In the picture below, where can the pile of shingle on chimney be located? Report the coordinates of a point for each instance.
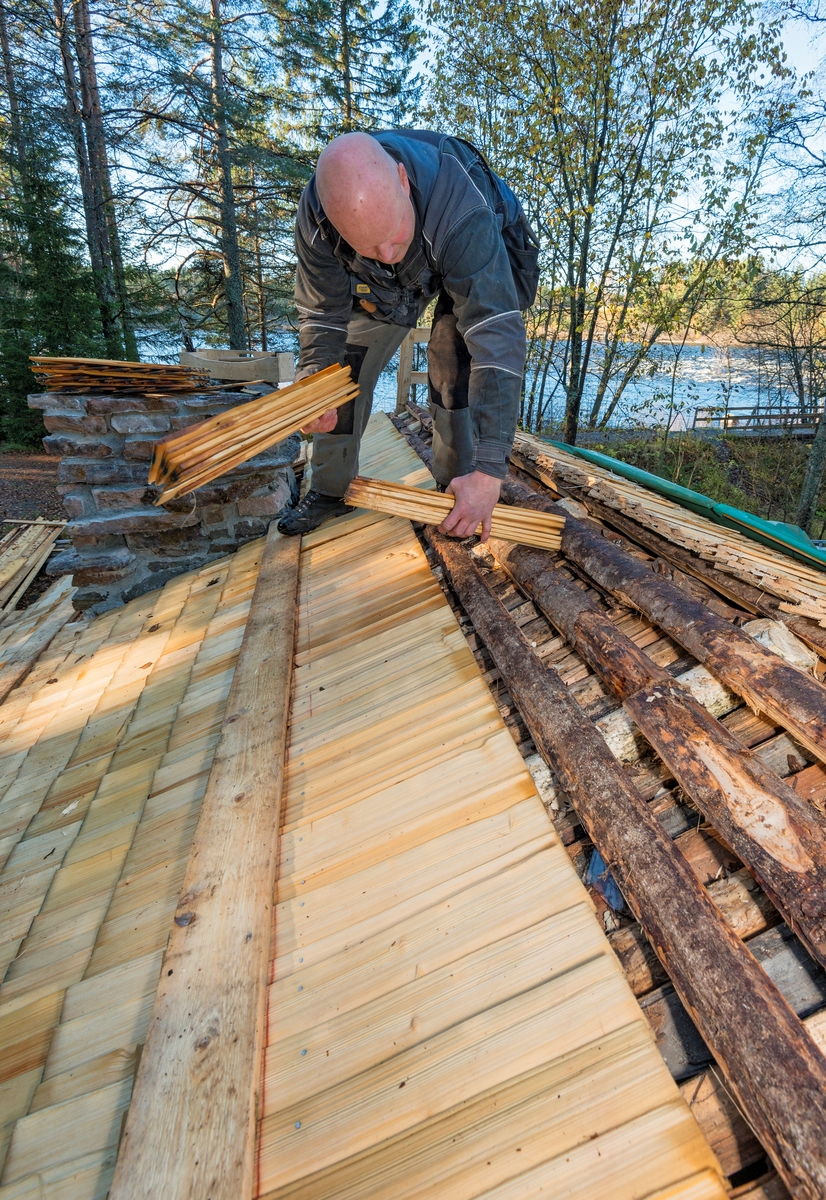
(122, 545)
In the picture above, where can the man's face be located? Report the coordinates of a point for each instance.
(391, 231)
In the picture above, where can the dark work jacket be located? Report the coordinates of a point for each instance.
(462, 209)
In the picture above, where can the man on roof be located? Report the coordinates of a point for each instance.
(388, 222)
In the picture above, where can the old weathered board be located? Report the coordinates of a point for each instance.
(191, 1126)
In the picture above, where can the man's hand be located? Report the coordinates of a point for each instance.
(475, 495)
(326, 423)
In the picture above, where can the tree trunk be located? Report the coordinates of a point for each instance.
(772, 1065)
(99, 166)
(230, 249)
(87, 133)
(770, 828)
(18, 139)
(127, 325)
(345, 65)
(573, 397)
(259, 270)
(813, 477)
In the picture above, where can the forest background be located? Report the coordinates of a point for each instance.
(670, 156)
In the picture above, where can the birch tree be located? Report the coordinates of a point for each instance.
(636, 133)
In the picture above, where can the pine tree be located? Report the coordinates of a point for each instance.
(212, 177)
(348, 64)
(47, 296)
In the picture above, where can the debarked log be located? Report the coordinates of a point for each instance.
(767, 683)
(772, 829)
(774, 1068)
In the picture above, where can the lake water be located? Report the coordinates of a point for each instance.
(706, 377)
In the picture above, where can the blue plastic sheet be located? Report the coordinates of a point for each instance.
(599, 876)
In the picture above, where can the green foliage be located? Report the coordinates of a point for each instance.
(761, 476)
(347, 64)
(47, 297)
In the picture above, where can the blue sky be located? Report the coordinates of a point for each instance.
(803, 45)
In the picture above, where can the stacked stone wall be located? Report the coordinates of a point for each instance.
(122, 545)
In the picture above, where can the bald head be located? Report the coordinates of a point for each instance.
(365, 195)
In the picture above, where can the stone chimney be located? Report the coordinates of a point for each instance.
(122, 545)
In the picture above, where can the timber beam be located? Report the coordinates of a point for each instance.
(772, 829)
(774, 1068)
(766, 682)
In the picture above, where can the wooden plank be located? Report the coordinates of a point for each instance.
(722, 1122)
(492, 1047)
(33, 567)
(775, 1069)
(191, 1125)
(403, 994)
(799, 980)
(392, 890)
(343, 1046)
(519, 896)
(543, 1112)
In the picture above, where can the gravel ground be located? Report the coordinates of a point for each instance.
(28, 485)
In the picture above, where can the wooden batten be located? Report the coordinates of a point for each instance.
(191, 1125)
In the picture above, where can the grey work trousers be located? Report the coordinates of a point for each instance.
(370, 346)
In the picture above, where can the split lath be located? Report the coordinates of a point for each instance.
(446, 1017)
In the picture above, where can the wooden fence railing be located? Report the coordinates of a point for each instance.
(751, 420)
(407, 377)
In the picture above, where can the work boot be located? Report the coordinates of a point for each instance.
(311, 512)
